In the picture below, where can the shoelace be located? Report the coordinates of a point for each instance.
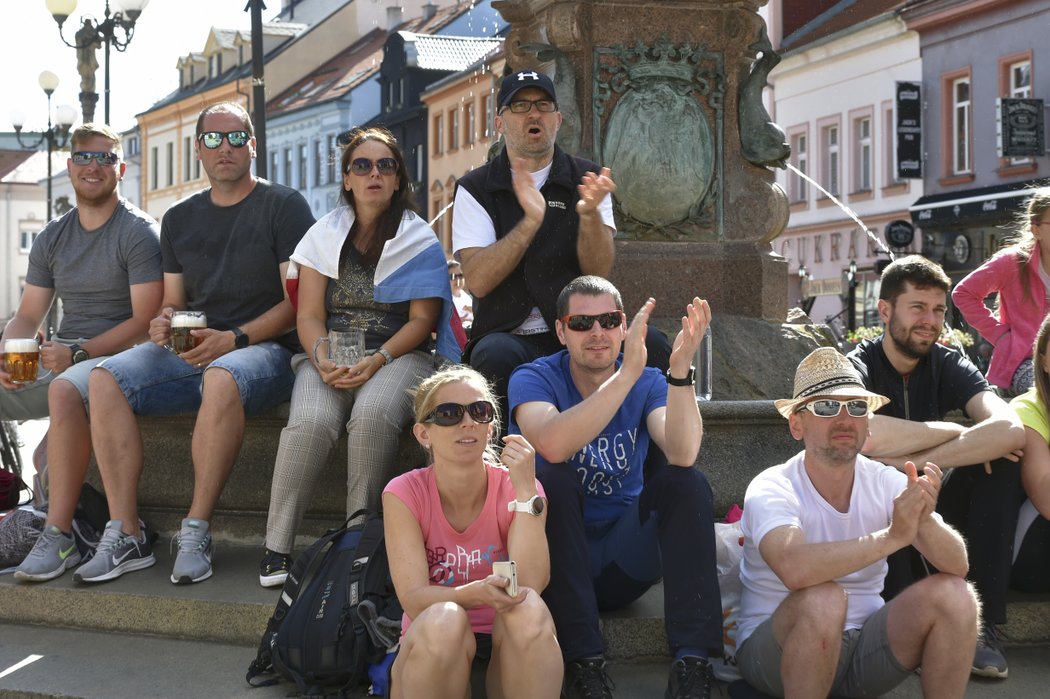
(48, 535)
(696, 677)
(592, 680)
(110, 540)
(189, 542)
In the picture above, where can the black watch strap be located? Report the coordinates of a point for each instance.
(79, 353)
(240, 339)
(687, 381)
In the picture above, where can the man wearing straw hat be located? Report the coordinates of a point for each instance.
(817, 530)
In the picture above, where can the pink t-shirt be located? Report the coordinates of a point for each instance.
(457, 558)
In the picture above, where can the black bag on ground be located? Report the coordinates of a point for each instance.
(337, 613)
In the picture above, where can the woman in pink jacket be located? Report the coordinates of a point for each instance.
(1019, 274)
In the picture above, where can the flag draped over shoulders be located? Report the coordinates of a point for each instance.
(411, 266)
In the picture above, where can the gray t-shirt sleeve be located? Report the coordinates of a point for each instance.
(140, 251)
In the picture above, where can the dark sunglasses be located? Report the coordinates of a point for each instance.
(213, 139)
(84, 157)
(450, 414)
(580, 323)
(826, 407)
(363, 166)
(525, 106)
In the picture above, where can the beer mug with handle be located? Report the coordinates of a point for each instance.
(345, 347)
(182, 322)
(22, 360)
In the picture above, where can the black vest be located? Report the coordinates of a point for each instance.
(550, 261)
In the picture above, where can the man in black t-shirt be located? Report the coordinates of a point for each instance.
(924, 381)
(225, 252)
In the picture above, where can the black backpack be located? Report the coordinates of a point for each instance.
(337, 613)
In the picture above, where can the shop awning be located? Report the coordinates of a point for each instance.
(970, 204)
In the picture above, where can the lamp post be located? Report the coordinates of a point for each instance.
(56, 135)
(90, 36)
(851, 298)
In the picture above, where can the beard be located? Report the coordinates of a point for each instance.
(902, 340)
(839, 453)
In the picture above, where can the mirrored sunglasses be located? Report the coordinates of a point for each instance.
(826, 407)
(525, 106)
(363, 166)
(581, 323)
(84, 157)
(450, 414)
(213, 139)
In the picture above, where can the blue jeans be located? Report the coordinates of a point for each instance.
(157, 382)
(668, 531)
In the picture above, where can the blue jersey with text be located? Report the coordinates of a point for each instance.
(610, 466)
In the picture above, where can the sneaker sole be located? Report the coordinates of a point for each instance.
(70, 562)
(993, 672)
(274, 580)
(126, 567)
(187, 580)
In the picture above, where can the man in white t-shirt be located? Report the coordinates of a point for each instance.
(817, 530)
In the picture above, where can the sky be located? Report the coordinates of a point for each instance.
(166, 30)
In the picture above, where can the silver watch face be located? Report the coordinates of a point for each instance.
(537, 506)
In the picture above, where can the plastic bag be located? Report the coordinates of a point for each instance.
(729, 550)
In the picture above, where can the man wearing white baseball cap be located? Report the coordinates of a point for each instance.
(817, 530)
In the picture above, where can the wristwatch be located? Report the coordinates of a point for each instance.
(79, 353)
(385, 354)
(533, 506)
(240, 340)
(687, 381)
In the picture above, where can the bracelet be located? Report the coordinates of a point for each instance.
(387, 357)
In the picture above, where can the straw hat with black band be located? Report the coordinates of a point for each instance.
(826, 373)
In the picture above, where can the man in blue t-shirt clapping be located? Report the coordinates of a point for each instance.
(614, 530)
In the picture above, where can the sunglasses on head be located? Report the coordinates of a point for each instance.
(826, 407)
(213, 139)
(450, 414)
(363, 166)
(581, 323)
(84, 157)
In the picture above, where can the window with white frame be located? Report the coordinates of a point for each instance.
(831, 159)
(286, 173)
(170, 152)
(154, 168)
(453, 129)
(301, 183)
(799, 149)
(862, 154)
(318, 162)
(889, 147)
(961, 126)
(1020, 88)
(488, 105)
(468, 126)
(439, 134)
(27, 238)
(330, 158)
(187, 158)
(275, 161)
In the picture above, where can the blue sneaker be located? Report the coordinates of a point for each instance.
(53, 554)
(193, 562)
(117, 553)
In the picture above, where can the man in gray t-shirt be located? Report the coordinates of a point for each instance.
(102, 259)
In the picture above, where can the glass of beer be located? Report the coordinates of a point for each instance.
(22, 360)
(182, 322)
(345, 347)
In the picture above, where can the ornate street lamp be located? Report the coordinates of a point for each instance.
(56, 135)
(116, 30)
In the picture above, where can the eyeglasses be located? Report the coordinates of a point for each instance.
(525, 106)
(826, 407)
(450, 414)
(213, 139)
(581, 323)
(456, 275)
(363, 166)
(84, 157)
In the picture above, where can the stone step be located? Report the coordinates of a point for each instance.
(741, 438)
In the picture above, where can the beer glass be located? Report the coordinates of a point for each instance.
(345, 347)
(22, 360)
(182, 322)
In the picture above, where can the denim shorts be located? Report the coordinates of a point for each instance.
(157, 382)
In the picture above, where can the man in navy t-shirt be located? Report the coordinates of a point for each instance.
(613, 530)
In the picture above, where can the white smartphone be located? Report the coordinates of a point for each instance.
(508, 570)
